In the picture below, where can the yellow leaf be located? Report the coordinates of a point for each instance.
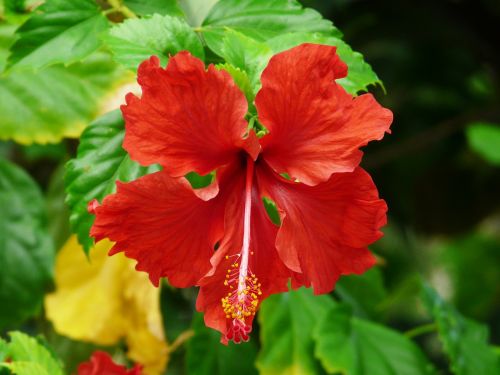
(106, 300)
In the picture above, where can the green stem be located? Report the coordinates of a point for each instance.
(420, 330)
(117, 6)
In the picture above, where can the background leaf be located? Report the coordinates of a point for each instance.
(56, 102)
(135, 40)
(287, 322)
(206, 355)
(261, 20)
(26, 249)
(100, 162)
(465, 341)
(484, 138)
(60, 31)
(29, 357)
(163, 7)
(353, 346)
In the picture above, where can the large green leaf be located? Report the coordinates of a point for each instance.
(352, 346)
(6, 39)
(464, 340)
(26, 249)
(196, 10)
(360, 74)
(60, 31)
(484, 138)
(364, 293)
(261, 20)
(56, 102)
(29, 357)
(135, 40)
(207, 356)
(100, 162)
(150, 7)
(287, 322)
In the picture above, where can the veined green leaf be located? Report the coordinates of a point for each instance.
(100, 162)
(26, 249)
(287, 322)
(484, 138)
(135, 40)
(206, 355)
(241, 79)
(29, 357)
(261, 20)
(195, 10)
(246, 54)
(352, 346)
(360, 74)
(150, 7)
(465, 341)
(56, 102)
(60, 31)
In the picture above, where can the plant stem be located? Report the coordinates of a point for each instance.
(420, 330)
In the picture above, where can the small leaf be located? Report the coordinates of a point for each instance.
(353, 346)
(464, 340)
(261, 20)
(150, 7)
(241, 79)
(135, 40)
(287, 322)
(26, 249)
(360, 74)
(206, 355)
(484, 138)
(100, 162)
(54, 103)
(29, 357)
(246, 54)
(60, 31)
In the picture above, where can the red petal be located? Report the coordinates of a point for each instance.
(315, 127)
(160, 222)
(326, 228)
(264, 263)
(101, 363)
(188, 118)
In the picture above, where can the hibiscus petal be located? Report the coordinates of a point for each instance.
(264, 262)
(315, 127)
(188, 118)
(102, 363)
(161, 222)
(326, 228)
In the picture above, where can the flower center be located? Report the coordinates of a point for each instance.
(241, 301)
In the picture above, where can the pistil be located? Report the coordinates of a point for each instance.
(242, 299)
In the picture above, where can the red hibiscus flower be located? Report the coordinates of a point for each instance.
(101, 363)
(192, 119)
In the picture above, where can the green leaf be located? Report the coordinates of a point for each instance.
(464, 341)
(60, 31)
(363, 293)
(360, 74)
(135, 40)
(30, 357)
(6, 39)
(241, 79)
(287, 321)
(57, 209)
(261, 20)
(195, 10)
(149, 7)
(353, 346)
(56, 102)
(100, 162)
(484, 138)
(26, 249)
(206, 355)
(246, 54)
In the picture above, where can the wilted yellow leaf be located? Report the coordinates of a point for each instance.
(105, 301)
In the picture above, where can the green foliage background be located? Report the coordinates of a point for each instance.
(432, 306)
